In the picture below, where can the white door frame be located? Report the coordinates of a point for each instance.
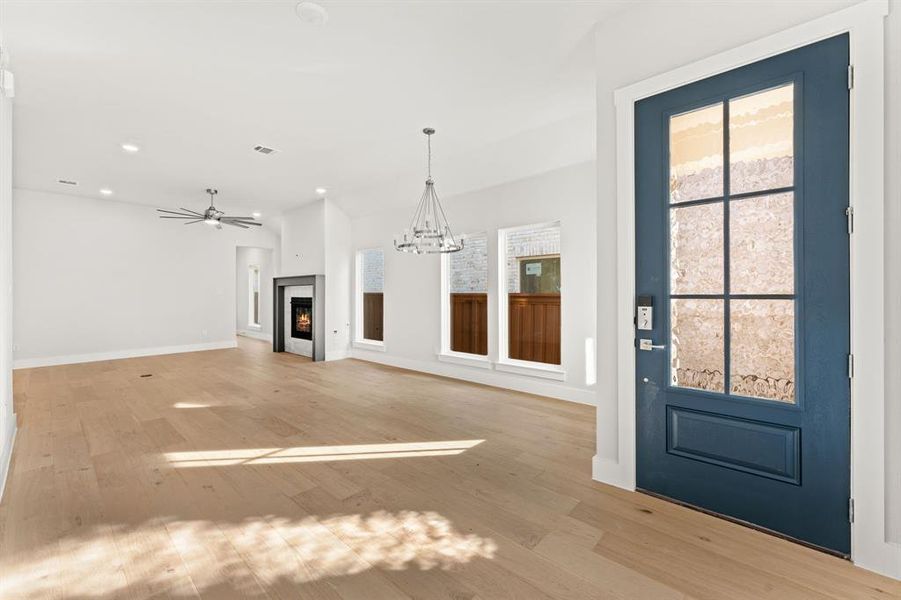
(864, 24)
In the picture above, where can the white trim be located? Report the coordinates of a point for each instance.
(372, 345)
(461, 358)
(257, 335)
(503, 301)
(517, 383)
(444, 287)
(864, 23)
(6, 454)
(531, 369)
(358, 302)
(49, 361)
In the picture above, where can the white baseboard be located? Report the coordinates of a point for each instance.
(257, 335)
(612, 473)
(884, 558)
(49, 361)
(6, 454)
(337, 354)
(507, 381)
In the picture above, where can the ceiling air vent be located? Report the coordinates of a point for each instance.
(264, 149)
(67, 182)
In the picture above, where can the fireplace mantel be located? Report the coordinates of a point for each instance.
(278, 305)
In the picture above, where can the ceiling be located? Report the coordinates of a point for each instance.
(508, 85)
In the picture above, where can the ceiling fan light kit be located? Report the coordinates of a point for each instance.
(429, 231)
(211, 216)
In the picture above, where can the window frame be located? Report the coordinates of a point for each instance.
(254, 275)
(358, 340)
(504, 362)
(445, 353)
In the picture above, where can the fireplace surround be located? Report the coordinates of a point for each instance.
(316, 313)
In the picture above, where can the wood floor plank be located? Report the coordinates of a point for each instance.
(242, 473)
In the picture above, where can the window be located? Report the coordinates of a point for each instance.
(253, 313)
(530, 298)
(370, 295)
(466, 297)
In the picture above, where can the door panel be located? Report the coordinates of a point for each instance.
(741, 190)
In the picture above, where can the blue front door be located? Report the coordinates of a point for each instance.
(743, 395)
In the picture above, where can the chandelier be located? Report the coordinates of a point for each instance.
(429, 232)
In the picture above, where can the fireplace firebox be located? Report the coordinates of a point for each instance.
(302, 318)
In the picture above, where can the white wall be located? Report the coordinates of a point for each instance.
(303, 240)
(683, 30)
(262, 258)
(338, 276)
(7, 418)
(412, 301)
(98, 279)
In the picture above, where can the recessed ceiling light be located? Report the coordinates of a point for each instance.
(256, 214)
(106, 191)
(311, 13)
(132, 148)
(321, 190)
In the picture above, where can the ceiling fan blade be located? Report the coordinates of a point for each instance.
(234, 224)
(194, 221)
(191, 211)
(172, 212)
(227, 220)
(185, 217)
(238, 218)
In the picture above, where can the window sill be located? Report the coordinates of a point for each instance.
(532, 369)
(254, 327)
(369, 345)
(461, 358)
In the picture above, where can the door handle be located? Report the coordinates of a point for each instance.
(646, 344)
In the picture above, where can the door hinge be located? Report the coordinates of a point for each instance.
(849, 213)
(850, 510)
(850, 77)
(850, 366)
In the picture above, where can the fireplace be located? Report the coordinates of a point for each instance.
(302, 318)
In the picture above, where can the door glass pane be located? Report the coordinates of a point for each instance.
(761, 245)
(696, 249)
(761, 140)
(763, 349)
(696, 154)
(697, 344)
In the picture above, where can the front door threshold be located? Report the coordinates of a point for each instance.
(745, 524)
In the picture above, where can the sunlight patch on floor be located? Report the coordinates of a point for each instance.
(302, 454)
(110, 560)
(190, 405)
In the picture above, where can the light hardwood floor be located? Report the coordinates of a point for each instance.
(242, 473)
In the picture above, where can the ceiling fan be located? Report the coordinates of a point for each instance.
(211, 216)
